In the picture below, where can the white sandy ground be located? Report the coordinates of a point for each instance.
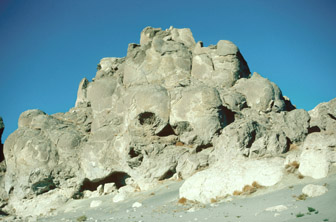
(161, 204)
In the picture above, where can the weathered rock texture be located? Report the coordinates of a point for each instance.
(171, 107)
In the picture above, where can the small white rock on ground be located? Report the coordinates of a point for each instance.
(277, 208)
(312, 190)
(137, 205)
(95, 203)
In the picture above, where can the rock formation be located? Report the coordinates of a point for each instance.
(169, 109)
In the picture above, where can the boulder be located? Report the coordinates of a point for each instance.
(261, 94)
(164, 57)
(294, 124)
(197, 114)
(227, 178)
(41, 155)
(250, 137)
(323, 117)
(318, 154)
(312, 190)
(219, 66)
(109, 67)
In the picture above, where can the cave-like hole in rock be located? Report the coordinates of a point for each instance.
(133, 152)
(203, 147)
(288, 143)
(314, 129)
(147, 118)
(119, 178)
(168, 174)
(166, 131)
(226, 116)
(252, 139)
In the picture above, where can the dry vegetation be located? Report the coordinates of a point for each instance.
(292, 167)
(301, 197)
(179, 143)
(248, 189)
(182, 200)
(213, 200)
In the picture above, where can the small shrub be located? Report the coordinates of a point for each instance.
(300, 176)
(213, 200)
(81, 218)
(326, 220)
(249, 189)
(292, 167)
(237, 193)
(182, 200)
(300, 215)
(302, 197)
(255, 184)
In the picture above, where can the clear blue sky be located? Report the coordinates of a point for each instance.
(48, 46)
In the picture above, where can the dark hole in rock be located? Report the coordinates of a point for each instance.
(136, 157)
(226, 116)
(43, 186)
(166, 131)
(289, 106)
(119, 178)
(3, 213)
(202, 147)
(2, 156)
(331, 116)
(288, 143)
(314, 129)
(168, 174)
(252, 139)
(147, 118)
(133, 153)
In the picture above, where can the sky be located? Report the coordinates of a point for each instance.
(48, 46)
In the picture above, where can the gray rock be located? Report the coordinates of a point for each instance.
(221, 66)
(231, 177)
(318, 154)
(200, 108)
(41, 155)
(261, 94)
(295, 124)
(82, 99)
(225, 47)
(312, 190)
(323, 117)
(109, 67)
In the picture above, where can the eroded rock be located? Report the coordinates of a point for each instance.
(169, 109)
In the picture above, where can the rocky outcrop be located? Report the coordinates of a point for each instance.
(169, 109)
